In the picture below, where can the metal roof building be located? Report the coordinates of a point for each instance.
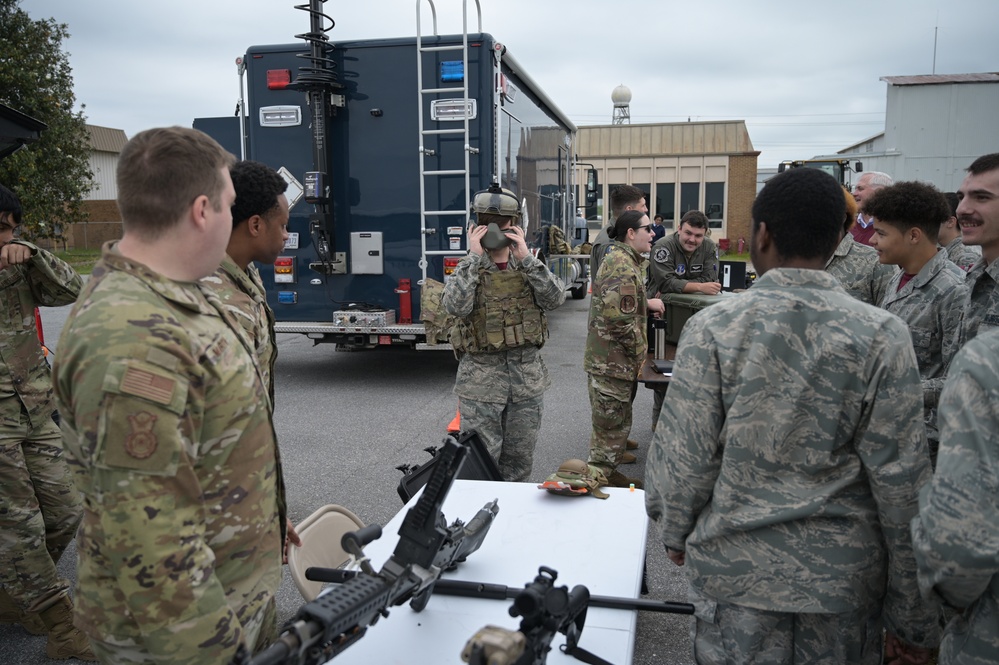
(935, 126)
(105, 146)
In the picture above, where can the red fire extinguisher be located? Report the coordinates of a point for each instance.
(405, 302)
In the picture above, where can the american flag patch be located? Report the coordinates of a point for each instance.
(153, 387)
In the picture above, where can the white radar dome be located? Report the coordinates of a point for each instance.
(621, 95)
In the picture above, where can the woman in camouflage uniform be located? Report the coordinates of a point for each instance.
(616, 342)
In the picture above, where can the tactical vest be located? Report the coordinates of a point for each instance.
(436, 321)
(557, 243)
(505, 315)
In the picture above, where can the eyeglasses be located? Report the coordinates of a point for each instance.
(645, 227)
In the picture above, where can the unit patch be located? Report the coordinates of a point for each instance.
(629, 305)
(141, 442)
(661, 255)
(681, 269)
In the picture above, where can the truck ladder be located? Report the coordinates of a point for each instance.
(423, 93)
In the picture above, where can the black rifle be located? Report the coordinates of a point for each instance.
(546, 609)
(334, 621)
(487, 591)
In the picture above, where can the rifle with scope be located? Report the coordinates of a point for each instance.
(337, 619)
(546, 610)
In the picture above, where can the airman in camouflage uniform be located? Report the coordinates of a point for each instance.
(39, 506)
(857, 268)
(617, 343)
(932, 305)
(259, 232)
(785, 469)
(260, 229)
(167, 425)
(500, 294)
(957, 530)
(928, 291)
(676, 268)
(978, 214)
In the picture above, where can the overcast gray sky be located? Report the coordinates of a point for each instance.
(804, 75)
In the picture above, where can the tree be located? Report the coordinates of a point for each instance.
(52, 175)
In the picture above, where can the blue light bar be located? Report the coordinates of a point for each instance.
(287, 297)
(452, 71)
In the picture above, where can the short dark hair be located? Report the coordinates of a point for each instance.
(695, 218)
(804, 211)
(257, 186)
(10, 204)
(952, 201)
(622, 196)
(910, 204)
(629, 219)
(984, 163)
(659, 217)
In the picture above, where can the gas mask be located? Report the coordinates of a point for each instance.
(494, 238)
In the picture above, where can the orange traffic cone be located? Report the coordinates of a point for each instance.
(454, 427)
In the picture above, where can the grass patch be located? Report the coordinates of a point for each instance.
(732, 256)
(82, 260)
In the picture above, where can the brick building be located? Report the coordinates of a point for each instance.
(708, 166)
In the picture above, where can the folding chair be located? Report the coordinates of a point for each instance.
(320, 533)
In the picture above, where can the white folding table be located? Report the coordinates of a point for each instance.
(597, 543)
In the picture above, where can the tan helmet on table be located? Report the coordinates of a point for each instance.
(576, 478)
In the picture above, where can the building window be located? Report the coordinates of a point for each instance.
(714, 203)
(690, 194)
(666, 203)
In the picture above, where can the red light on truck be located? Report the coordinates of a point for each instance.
(450, 264)
(278, 79)
(284, 269)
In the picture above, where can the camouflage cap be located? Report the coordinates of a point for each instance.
(575, 478)
(496, 201)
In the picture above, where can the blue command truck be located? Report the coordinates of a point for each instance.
(382, 143)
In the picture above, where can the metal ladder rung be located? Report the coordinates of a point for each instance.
(431, 49)
(427, 132)
(445, 212)
(454, 172)
(435, 91)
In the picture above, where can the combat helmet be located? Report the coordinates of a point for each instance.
(496, 201)
(576, 478)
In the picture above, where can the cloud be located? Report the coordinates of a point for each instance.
(804, 76)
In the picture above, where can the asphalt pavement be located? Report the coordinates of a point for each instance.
(346, 420)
